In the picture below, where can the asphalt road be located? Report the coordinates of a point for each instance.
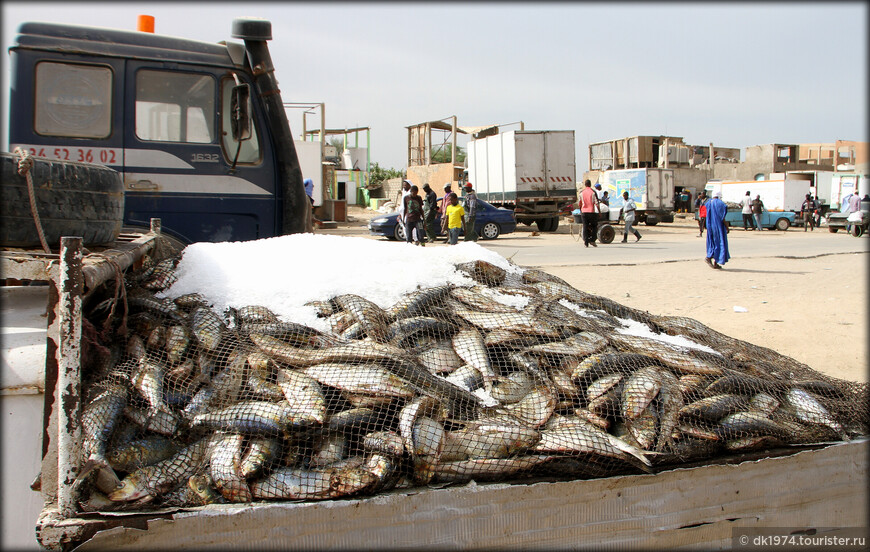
(667, 242)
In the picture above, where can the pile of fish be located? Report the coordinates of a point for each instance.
(518, 375)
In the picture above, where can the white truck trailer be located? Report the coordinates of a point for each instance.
(777, 195)
(651, 189)
(532, 172)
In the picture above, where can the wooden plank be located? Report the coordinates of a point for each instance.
(681, 508)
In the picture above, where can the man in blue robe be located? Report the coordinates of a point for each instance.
(717, 234)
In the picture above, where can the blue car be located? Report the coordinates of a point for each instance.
(772, 220)
(490, 223)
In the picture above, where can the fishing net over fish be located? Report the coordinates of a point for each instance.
(497, 374)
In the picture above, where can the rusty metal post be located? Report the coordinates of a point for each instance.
(69, 313)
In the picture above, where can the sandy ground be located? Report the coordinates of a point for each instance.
(812, 309)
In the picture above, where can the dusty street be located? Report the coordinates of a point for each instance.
(803, 294)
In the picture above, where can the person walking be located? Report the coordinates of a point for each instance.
(406, 189)
(818, 211)
(589, 214)
(453, 215)
(628, 210)
(757, 209)
(807, 208)
(414, 217)
(470, 212)
(717, 233)
(747, 213)
(430, 210)
(701, 213)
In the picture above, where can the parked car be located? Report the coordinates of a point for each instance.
(490, 223)
(772, 220)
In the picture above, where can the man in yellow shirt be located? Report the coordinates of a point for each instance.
(454, 214)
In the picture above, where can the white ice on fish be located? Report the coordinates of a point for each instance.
(488, 400)
(518, 302)
(285, 272)
(633, 327)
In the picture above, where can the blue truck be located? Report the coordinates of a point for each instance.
(196, 130)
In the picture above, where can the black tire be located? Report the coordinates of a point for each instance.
(651, 222)
(782, 224)
(555, 224)
(543, 224)
(833, 229)
(399, 232)
(490, 231)
(857, 230)
(73, 200)
(606, 234)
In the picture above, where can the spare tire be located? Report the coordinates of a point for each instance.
(72, 199)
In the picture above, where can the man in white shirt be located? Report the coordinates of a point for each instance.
(748, 224)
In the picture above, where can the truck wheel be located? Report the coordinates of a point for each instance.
(832, 229)
(554, 224)
(782, 224)
(857, 230)
(490, 231)
(606, 234)
(72, 199)
(543, 224)
(651, 221)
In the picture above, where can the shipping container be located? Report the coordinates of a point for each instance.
(532, 172)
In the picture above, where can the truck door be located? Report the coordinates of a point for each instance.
(179, 156)
(64, 107)
(531, 165)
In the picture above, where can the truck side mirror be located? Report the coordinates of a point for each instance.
(240, 118)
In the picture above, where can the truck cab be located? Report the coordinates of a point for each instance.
(200, 139)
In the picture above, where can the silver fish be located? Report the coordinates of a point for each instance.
(177, 340)
(148, 381)
(716, 407)
(665, 354)
(303, 394)
(207, 327)
(417, 303)
(762, 402)
(254, 418)
(404, 329)
(513, 387)
(602, 385)
(498, 440)
(535, 408)
(384, 442)
(639, 391)
(470, 347)
(261, 452)
(417, 408)
(808, 409)
(671, 401)
(440, 358)
(742, 424)
(163, 422)
(156, 479)
(482, 468)
(466, 377)
(99, 419)
(370, 379)
(144, 451)
(225, 458)
(478, 301)
(372, 317)
(329, 447)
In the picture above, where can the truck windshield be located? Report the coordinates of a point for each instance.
(175, 107)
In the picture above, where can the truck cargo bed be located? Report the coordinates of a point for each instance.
(696, 507)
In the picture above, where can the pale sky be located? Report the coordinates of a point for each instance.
(736, 75)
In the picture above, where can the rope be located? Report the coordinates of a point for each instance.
(25, 164)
